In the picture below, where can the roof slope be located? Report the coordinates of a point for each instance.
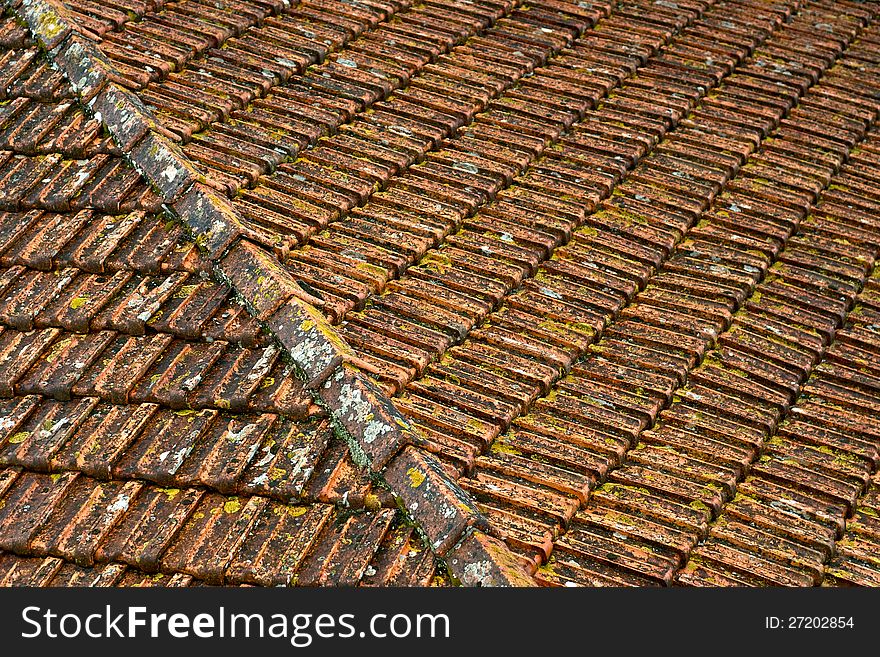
(597, 279)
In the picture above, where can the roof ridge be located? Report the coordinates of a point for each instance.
(378, 435)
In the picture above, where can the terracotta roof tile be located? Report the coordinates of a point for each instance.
(212, 534)
(135, 578)
(104, 436)
(282, 536)
(79, 522)
(88, 294)
(286, 460)
(62, 366)
(810, 366)
(219, 458)
(28, 571)
(344, 549)
(402, 560)
(72, 575)
(155, 517)
(29, 502)
(163, 446)
(337, 479)
(618, 279)
(44, 432)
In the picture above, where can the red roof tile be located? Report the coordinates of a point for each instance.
(594, 280)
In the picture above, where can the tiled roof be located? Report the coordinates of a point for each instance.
(389, 293)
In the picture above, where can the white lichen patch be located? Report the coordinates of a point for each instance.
(170, 173)
(120, 504)
(191, 383)
(50, 429)
(466, 167)
(178, 457)
(262, 366)
(355, 408)
(218, 227)
(300, 462)
(82, 176)
(312, 354)
(252, 452)
(235, 437)
(375, 430)
(479, 572)
(266, 458)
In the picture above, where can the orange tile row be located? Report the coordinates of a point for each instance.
(114, 526)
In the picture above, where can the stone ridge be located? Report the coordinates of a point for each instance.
(378, 435)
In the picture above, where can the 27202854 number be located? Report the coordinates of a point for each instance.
(819, 622)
